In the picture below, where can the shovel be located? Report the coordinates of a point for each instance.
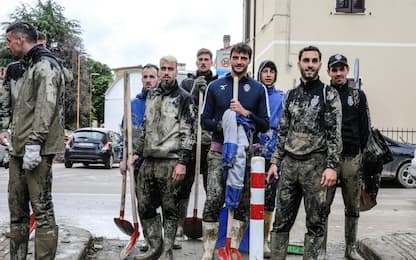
(228, 252)
(130, 169)
(192, 227)
(125, 226)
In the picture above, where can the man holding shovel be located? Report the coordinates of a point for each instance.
(251, 107)
(198, 83)
(165, 146)
(150, 79)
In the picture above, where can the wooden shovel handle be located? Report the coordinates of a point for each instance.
(235, 88)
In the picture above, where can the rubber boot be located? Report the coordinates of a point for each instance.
(312, 247)
(144, 245)
(179, 238)
(279, 243)
(19, 239)
(168, 239)
(152, 230)
(46, 243)
(238, 230)
(351, 252)
(268, 218)
(209, 239)
(322, 253)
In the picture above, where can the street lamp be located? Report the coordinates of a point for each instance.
(91, 74)
(78, 85)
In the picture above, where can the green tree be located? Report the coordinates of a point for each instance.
(64, 40)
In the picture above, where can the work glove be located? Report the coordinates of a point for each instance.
(32, 158)
(200, 83)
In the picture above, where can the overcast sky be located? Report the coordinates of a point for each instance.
(136, 32)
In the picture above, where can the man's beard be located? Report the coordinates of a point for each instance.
(309, 78)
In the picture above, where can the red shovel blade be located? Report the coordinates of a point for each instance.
(32, 223)
(227, 252)
(130, 246)
(125, 226)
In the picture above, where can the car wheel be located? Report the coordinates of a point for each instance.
(404, 178)
(68, 164)
(109, 163)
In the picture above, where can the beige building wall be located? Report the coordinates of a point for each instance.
(382, 38)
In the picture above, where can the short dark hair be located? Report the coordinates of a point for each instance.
(310, 48)
(151, 66)
(241, 47)
(26, 30)
(204, 51)
(41, 36)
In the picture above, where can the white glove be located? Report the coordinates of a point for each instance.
(32, 158)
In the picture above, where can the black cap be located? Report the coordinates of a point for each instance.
(337, 58)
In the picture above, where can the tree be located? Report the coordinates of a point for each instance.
(64, 40)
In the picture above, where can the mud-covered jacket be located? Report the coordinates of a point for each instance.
(310, 123)
(355, 119)
(34, 112)
(251, 94)
(168, 124)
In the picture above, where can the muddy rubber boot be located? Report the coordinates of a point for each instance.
(351, 250)
(19, 239)
(209, 239)
(152, 230)
(238, 230)
(312, 247)
(46, 243)
(179, 238)
(268, 218)
(168, 239)
(322, 253)
(144, 245)
(278, 245)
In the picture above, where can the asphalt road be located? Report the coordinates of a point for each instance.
(89, 198)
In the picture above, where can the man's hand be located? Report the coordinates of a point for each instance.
(3, 138)
(122, 167)
(32, 158)
(329, 177)
(238, 108)
(200, 83)
(272, 173)
(179, 172)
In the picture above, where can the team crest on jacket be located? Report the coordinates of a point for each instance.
(246, 87)
(350, 101)
(315, 101)
(222, 87)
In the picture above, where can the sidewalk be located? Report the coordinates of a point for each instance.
(76, 243)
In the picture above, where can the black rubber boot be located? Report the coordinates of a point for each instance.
(46, 243)
(278, 245)
(152, 229)
(351, 251)
(312, 247)
(168, 239)
(19, 238)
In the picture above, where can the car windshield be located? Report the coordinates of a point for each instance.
(88, 135)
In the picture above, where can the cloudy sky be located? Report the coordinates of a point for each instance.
(135, 32)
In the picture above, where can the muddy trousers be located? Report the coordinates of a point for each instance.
(32, 187)
(301, 178)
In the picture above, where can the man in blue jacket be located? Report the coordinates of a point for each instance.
(251, 107)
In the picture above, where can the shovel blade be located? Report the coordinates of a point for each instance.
(192, 227)
(32, 222)
(125, 226)
(131, 244)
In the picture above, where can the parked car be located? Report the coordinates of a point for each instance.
(92, 146)
(399, 168)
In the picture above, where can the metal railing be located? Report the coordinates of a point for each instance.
(403, 135)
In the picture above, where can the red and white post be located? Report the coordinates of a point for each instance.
(256, 207)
